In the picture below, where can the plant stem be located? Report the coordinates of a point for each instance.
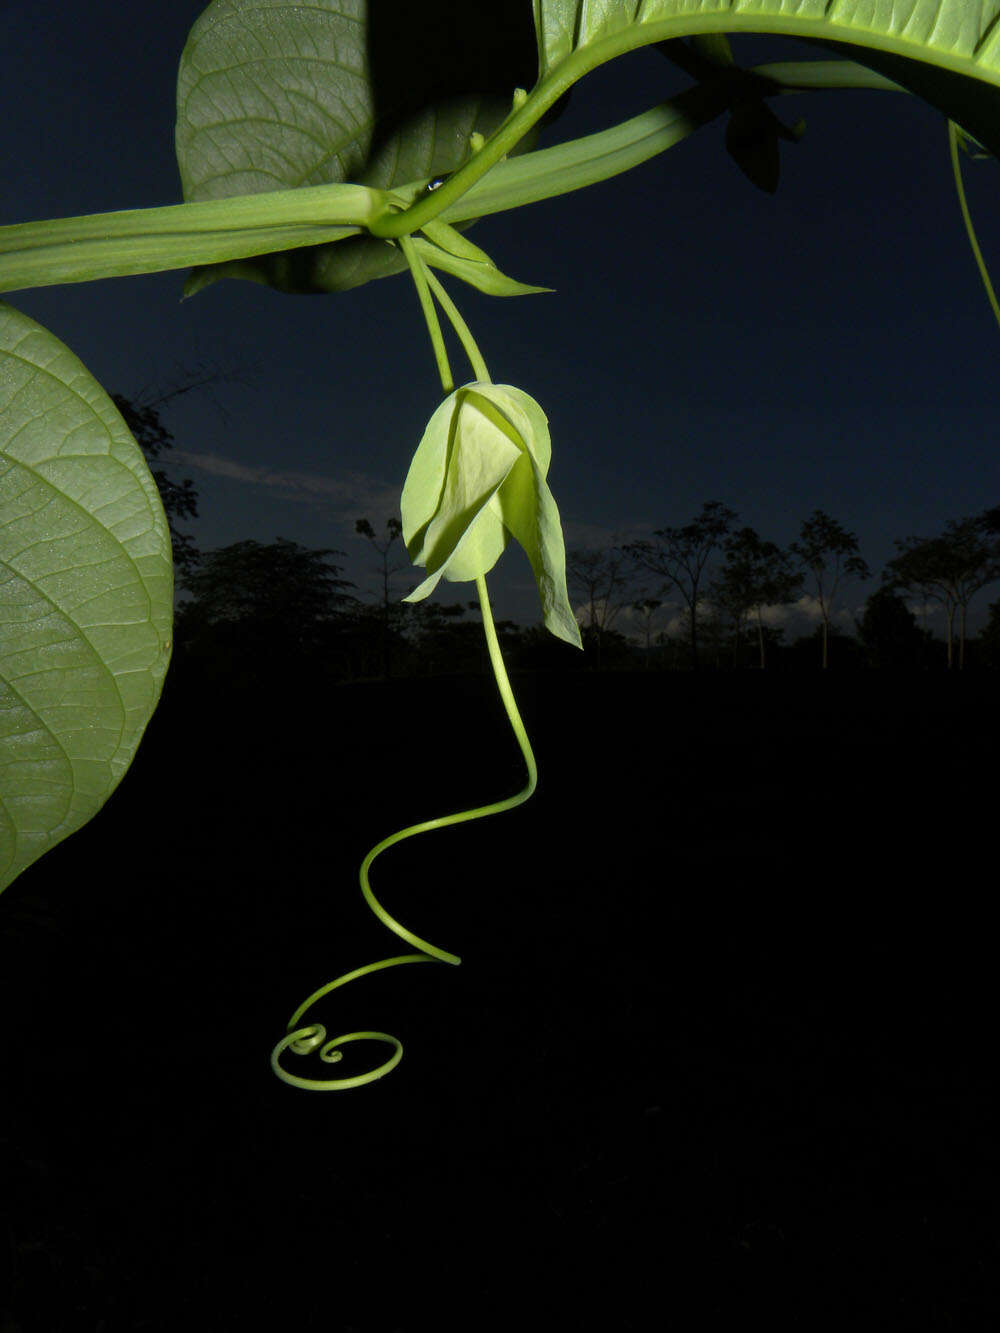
(461, 328)
(565, 71)
(507, 695)
(302, 1040)
(178, 236)
(420, 277)
(977, 253)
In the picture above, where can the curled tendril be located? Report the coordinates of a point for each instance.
(305, 1039)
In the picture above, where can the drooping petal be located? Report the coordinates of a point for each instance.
(449, 524)
(531, 515)
(424, 589)
(478, 478)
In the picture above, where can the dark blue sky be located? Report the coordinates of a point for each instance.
(826, 347)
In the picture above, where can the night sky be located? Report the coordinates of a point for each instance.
(826, 347)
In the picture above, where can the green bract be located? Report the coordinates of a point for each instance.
(478, 479)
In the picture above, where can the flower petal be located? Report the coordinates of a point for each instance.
(529, 510)
(477, 479)
(449, 524)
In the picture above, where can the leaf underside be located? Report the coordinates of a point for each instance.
(945, 51)
(87, 587)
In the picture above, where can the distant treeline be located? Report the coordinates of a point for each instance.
(257, 612)
(252, 609)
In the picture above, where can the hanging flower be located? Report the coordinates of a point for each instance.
(478, 479)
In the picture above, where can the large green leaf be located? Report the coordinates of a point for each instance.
(272, 95)
(86, 586)
(946, 51)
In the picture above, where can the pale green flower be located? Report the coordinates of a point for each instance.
(478, 479)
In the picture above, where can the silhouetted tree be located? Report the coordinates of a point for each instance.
(390, 607)
(600, 578)
(889, 632)
(180, 499)
(822, 539)
(988, 639)
(264, 607)
(801, 654)
(442, 641)
(142, 416)
(538, 649)
(680, 555)
(646, 606)
(282, 582)
(949, 569)
(755, 574)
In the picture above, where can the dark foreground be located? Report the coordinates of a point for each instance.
(723, 1038)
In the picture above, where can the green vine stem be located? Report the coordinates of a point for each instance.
(977, 253)
(419, 271)
(153, 240)
(461, 328)
(556, 81)
(302, 1040)
(177, 236)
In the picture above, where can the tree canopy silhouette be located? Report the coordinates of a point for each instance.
(755, 574)
(270, 604)
(180, 499)
(680, 554)
(950, 568)
(828, 551)
(601, 579)
(889, 633)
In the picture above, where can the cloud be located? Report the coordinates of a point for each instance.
(925, 610)
(351, 495)
(595, 537)
(806, 608)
